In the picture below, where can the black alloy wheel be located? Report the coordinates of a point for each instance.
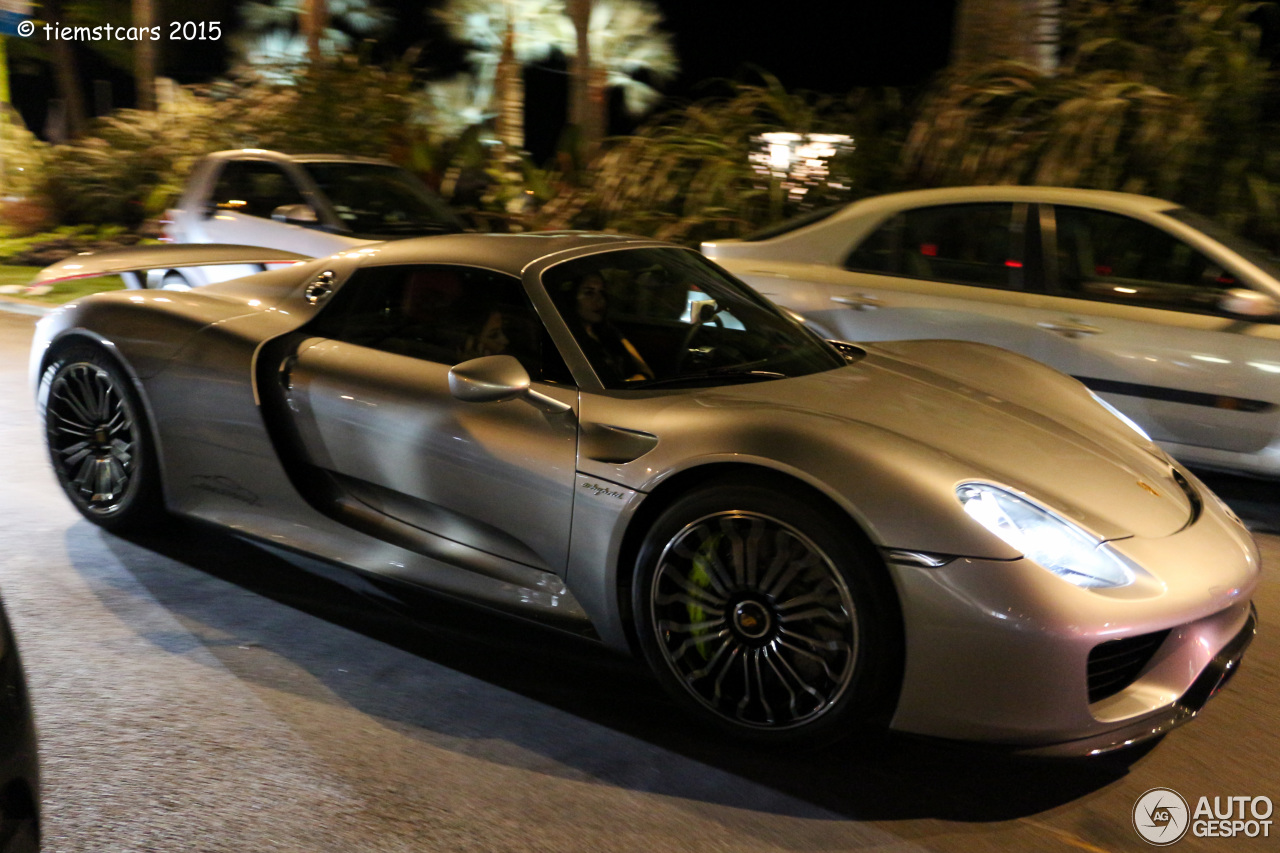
(761, 614)
(98, 443)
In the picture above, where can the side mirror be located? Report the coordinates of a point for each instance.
(1247, 303)
(494, 378)
(295, 214)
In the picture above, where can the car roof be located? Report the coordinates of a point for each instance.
(282, 157)
(827, 239)
(509, 253)
(1104, 199)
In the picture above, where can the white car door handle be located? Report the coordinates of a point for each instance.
(861, 302)
(1070, 328)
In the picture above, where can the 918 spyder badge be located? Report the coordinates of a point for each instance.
(603, 491)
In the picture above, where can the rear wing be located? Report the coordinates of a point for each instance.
(173, 256)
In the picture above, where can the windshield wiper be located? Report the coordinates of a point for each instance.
(726, 374)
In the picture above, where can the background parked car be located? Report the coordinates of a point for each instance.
(312, 204)
(1162, 312)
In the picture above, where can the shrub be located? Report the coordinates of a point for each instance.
(131, 164)
(687, 175)
(20, 156)
(22, 217)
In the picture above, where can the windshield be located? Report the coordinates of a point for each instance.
(375, 200)
(669, 317)
(1251, 252)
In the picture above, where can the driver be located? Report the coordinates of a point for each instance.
(614, 357)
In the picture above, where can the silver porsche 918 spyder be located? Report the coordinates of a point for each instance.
(615, 437)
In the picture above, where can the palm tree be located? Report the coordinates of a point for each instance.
(625, 48)
(579, 12)
(66, 73)
(504, 36)
(144, 56)
(1166, 97)
(287, 32)
(315, 22)
(1002, 30)
(610, 43)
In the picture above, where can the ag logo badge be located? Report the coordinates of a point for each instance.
(1161, 816)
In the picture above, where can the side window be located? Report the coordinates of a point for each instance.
(1114, 258)
(254, 188)
(964, 243)
(880, 251)
(441, 313)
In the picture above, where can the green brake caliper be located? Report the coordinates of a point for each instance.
(700, 577)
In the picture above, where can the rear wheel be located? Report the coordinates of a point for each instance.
(98, 442)
(763, 614)
(174, 280)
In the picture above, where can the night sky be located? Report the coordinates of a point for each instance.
(818, 45)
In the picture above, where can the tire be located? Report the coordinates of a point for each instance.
(98, 441)
(173, 280)
(764, 615)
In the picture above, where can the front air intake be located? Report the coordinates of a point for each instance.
(1114, 665)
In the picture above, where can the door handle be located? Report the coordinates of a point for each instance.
(861, 302)
(1070, 328)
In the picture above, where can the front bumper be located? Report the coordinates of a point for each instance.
(999, 651)
(1214, 677)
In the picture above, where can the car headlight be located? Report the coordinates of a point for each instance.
(1044, 538)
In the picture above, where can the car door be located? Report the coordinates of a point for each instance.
(1142, 306)
(369, 398)
(959, 271)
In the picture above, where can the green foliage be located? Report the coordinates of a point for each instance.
(1012, 124)
(21, 155)
(131, 164)
(342, 105)
(272, 38)
(109, 176)
(687, 174)
(64, 291)
(1164, 97)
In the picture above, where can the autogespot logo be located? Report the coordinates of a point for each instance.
(1160, 816)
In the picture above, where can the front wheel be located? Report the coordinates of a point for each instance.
(98, 441)
(762, 613)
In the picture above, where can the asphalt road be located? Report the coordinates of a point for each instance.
(197, 694)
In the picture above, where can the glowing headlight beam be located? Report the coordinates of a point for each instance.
(1046, 539)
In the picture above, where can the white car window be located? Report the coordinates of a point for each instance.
(964, 243)
(254, 188)
(1113, 258)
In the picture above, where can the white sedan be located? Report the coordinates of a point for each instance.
(1161, 312)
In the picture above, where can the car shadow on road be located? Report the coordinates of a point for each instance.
(880, 777)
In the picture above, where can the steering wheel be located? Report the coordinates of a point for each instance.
(705, 313)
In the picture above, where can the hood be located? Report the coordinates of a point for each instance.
(1009, 421)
